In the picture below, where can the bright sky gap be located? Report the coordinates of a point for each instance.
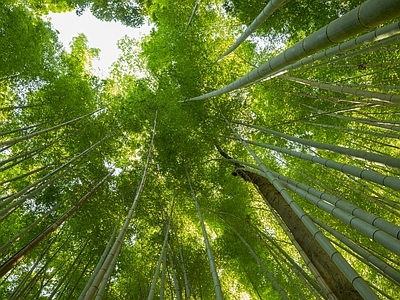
(100, 34)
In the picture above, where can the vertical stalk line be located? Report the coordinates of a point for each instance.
(20, 287)
(323, 289)
(114, 252)
(163, 274)
(74, 288)
(185, 277)
(68, 271)
(99, 264)
(107, 276)
(41, 272)
(160, 260)
(217, 285)
(261, 264)
(174, 277)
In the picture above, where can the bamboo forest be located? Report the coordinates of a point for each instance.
(242, 149)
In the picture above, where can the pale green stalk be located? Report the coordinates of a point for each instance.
(107, 276)
(383, 159)
(372, 260)
(368, 230)
(368, 15)
(28, 136)
(118, 242)
(372, 48)
(175, 279)
(356, 280)
(373, 36)
(389, 228)
(373, 176)
(217, 285)
(160, 260)
(185, 278)
(99, 264)
(260, 263)
(321, 289)
(67, 273)
(163, 273)
(192, 15)
(382, 98)
(265, 13)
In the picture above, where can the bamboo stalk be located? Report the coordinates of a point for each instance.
(368, 15)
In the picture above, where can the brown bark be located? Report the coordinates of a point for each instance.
(334, 278)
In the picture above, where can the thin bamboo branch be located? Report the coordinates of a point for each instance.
(383, 98)
(160, 259)
(9, 199)
(358, 282)
(192, 15)
(17, 257)
(265, 13)
(174, 277)
(114, 252)
(28, 136)
(260, 263)
(217, 285)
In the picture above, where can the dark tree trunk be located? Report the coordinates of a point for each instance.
(331, 274)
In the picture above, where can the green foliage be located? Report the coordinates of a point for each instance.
(28, 45)
(128, 13)
(42, 86)
(289, 21)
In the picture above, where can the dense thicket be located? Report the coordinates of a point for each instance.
(74, 149)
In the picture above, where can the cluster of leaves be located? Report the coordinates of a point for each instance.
(42, 86)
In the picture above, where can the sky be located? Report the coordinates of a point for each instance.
(102, 35)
